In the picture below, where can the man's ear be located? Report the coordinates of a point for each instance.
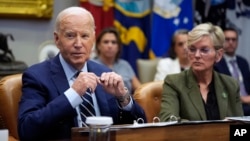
(56, 39)
(219, 55)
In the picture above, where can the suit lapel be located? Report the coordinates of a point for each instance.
(221, 95)
(102, 100)
(58, 75)
(194, 96)
(241, 66)
(222, 67)
(101, 96)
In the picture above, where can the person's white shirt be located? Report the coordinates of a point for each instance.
(165, 67)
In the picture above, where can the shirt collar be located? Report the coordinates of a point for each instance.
(229, 58)
(69, 70)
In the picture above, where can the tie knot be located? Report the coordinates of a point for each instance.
(77, 73)
(233, 61)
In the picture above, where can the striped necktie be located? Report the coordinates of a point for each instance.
(87, 106)
(236, 75)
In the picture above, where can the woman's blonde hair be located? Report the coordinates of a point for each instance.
(207, 29)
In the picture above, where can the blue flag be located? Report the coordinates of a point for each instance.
(132, 19)
(168, 16)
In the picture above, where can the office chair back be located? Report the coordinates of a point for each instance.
(10, 94)
(146, 69)
(148, 96)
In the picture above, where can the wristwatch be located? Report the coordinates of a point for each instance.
(125, 98)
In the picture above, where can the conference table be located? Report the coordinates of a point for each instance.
(183, 131)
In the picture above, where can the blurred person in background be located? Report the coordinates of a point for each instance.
(109, 47)
(236, 66)
(177, 60)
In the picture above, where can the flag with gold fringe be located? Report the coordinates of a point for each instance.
(132, 19)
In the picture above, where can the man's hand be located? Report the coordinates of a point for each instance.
(113, 84)
(245, 99)
(84, 81)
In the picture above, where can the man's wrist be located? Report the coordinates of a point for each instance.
(125, 99)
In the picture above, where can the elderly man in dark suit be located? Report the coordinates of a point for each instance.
(236, 66)
(53, 95)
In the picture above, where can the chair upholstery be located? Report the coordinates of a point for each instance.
(146, 69)
(10, 93)
(148, 96)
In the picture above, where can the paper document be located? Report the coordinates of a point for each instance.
(138, 125)
(242, 118)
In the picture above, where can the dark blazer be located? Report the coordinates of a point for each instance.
(243, 66)
(181, 97)
(46, 114)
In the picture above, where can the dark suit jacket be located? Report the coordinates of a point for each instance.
(243, 66)
(181, 97)
(44, 111)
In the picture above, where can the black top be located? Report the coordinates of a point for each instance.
(211, 107)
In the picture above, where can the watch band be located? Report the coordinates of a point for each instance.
(124, 98)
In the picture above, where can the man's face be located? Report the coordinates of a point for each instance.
(75, 39)
(231, 42)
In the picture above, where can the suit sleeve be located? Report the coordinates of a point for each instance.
(169, 102)
(40, 113)
(128, 117)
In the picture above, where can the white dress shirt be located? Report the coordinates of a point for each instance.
(167, 66)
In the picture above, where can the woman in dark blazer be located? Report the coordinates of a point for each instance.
(200, 93)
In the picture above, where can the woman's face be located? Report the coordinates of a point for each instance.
(108, 46)
(202, 55)
(181, 46)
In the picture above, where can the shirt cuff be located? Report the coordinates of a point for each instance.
(127, 107)
(73, 97)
